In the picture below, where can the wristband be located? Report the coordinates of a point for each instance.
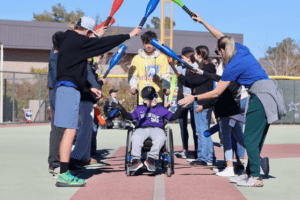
(196, 98)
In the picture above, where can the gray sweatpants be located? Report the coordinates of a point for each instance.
(158, 137)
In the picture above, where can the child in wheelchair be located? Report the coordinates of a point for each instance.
(149, 125)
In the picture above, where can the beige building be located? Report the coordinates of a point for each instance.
(27, 44)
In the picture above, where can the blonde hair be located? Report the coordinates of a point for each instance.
(228, 44)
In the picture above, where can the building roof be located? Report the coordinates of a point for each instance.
(37, 35)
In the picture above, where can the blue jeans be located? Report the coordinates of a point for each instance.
(205, 150)
(238, 149)
(227, 133)
(94, 136)
(82, 149)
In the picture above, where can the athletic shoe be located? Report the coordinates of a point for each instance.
(92, 161)
(228, 171)
(136, 164)
(190, 159)
(198, 162)
(150, 164)
(216, 169)
(68, 180)
(250, 182)
(240, 178)
(55, 173)
(219, 168)
(51, 169)
(264, 164)
(181, 154)
(210, 163)
(239, 168)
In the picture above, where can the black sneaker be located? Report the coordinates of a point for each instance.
(198, 162)
(150, 164)
(136, 164)
(239, 167)
(264, 164)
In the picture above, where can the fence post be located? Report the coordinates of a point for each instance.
(13, 108)
(4, 100)
(294, 100)
(117, 83)
(40, 96)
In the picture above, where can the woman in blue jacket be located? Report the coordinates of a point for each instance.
(265, 102)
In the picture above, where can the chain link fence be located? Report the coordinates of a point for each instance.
(24, 90)
(29, 90)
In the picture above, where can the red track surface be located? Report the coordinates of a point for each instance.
(112, 183)
(188, 182)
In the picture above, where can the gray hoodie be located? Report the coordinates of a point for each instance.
(271, 98)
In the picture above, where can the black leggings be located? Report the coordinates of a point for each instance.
(183, 122)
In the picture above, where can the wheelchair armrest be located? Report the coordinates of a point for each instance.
(134, 122)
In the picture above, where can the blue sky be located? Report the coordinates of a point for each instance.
(263, 22)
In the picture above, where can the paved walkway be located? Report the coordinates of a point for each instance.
(24, 150)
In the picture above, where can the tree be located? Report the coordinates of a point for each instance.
(284, 59)
(59, 14)
(156, 23)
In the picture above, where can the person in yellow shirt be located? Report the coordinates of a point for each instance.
(149, 68)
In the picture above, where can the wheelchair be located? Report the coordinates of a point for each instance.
(166, 154)
(122, 124)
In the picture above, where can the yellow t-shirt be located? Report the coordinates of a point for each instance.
(149, 75)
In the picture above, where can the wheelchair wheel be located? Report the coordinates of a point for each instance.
(128, 149)
(169, 172)
(170, 151)
(128, 173)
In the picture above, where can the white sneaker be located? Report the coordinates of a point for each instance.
(228, 171)
(216, 169)
(190, 159)
(181, 154)
(56, 172)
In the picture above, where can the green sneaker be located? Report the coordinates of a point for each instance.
(68, 180)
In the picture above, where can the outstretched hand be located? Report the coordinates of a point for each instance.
(135, 32)
(101, 31)
(197, 18)
(187, 100)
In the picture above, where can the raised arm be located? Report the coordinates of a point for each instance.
(215, 32)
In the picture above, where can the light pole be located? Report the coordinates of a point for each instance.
(1, 83)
